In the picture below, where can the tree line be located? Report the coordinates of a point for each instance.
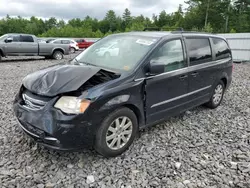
(217, 16)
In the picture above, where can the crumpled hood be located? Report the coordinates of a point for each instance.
(58, 79)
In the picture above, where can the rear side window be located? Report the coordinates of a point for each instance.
(16, 38)
(79, 40)
(26, 38)
(199, 50)
(57, 42)
(65, 41)
(221, 48)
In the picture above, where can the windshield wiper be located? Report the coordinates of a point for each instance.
(86, 63)
(74, 61)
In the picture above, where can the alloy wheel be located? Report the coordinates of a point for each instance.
(218, 93)
(58, 56)
(119, 133)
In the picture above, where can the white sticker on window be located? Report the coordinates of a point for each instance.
(144, 42)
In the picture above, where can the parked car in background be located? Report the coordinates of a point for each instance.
(108, 50)
(83, 43)
(15, 44)
(104, 101)
(41, 40)
(72, 43)
(50, 39)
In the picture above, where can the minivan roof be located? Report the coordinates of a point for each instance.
(159, 34)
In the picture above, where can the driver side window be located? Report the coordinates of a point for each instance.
(171, 55)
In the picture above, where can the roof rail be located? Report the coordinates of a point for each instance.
(191, 32)
(173, 30)
(162, 29)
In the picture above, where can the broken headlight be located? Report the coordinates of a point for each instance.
(72, 105)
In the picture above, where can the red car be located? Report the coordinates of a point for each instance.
(82, 43)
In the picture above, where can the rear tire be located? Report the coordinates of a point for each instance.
(72, 50)
(116, 133)
(57, 55)
(217, 96)
(0, 58)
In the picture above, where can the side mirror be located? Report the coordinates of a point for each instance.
(9, 39)
(156, 67)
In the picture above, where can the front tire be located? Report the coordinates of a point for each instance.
(116, 133)
(217, 96)
(57, 55)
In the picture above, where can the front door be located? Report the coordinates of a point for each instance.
(13, 48)
(166, 92)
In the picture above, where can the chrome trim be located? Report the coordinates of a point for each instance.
(179, 97)
(33, 104)
(34, 100)
(139, 79)
(24, 129)
(170, 72)
(189, 69)
(50, 139)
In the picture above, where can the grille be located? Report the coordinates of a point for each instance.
(32, 103)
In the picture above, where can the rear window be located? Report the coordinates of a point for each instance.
(16, 38)
(221, 48)
(57, 42)
(199, 50)
(79, 40)
(26, 38)
(65, 41)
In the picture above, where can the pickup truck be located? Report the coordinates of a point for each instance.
(14, 44)
(83, 44)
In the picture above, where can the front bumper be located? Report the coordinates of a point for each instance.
(54, 129)
(49, 142)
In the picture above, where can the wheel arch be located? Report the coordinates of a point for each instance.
(134, 108)
(225, 79)
(138, 114)
(1, 52)
(57, 49)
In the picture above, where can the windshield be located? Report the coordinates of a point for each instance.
(120, 52)
(3, 37)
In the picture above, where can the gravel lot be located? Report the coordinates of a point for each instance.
(200, 148)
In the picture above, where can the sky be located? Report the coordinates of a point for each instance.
(68, 9)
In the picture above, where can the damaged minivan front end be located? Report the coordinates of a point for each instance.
(93, 100)
(56, 107)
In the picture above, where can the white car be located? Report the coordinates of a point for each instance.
(73, 44)
(109, 50)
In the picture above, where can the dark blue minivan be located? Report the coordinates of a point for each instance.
(121, 84)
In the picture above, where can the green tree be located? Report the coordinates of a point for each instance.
(111, 19)
(127, 17)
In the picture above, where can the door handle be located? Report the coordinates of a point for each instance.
(194, 74)
(182, 77)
